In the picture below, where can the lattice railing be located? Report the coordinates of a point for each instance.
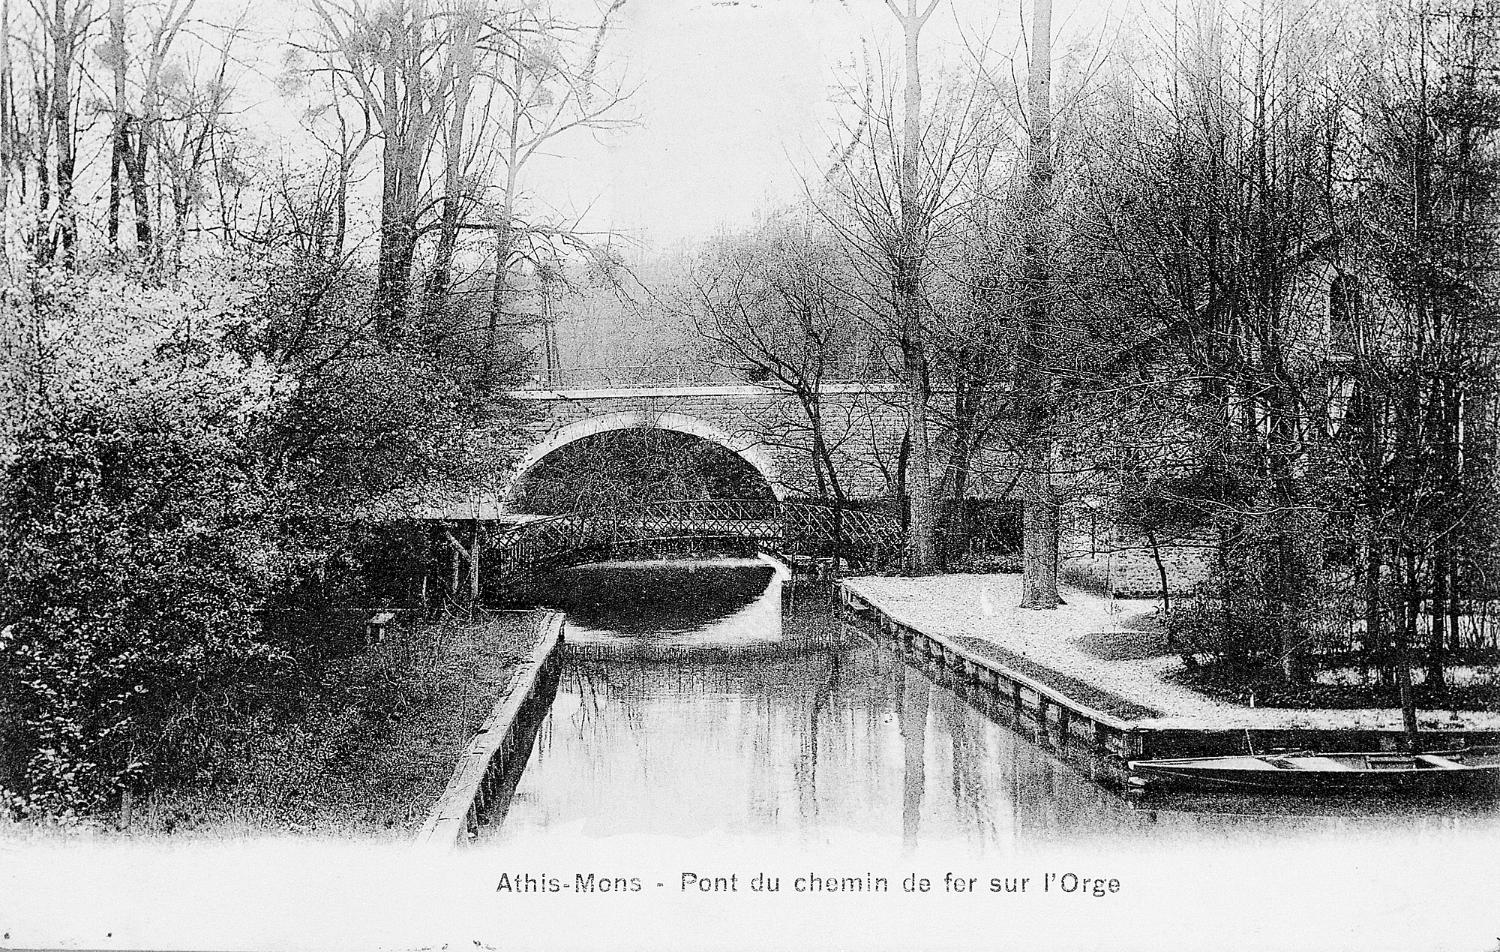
(790, 528)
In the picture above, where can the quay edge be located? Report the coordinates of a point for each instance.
(502, 744)
(1101, 742)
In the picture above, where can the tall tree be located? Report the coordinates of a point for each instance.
(1033, 385)
(906, 288)
(1424, 211)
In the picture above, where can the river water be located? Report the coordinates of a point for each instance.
(710, 698)
(717, 730)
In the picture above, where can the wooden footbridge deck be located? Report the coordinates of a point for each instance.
(788, 528)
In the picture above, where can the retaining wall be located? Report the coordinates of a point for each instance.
(1100, 742)
(489, 766)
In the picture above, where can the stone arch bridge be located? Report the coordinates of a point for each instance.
(863, 426)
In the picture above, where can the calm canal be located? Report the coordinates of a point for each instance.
(712, 697)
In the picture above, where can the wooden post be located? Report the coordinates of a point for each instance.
(453, 577)
(474, 565)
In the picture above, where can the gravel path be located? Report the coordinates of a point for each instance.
(1094, 640)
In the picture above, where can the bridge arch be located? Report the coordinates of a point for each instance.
(744, 448)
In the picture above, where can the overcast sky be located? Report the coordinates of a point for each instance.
(732, 100)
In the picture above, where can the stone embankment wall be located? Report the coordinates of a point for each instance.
(1091, 725)
(489, 767)
(1101, 742)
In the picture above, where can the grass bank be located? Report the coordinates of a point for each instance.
(371, 748)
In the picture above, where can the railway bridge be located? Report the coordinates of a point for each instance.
(790, 529)
(862, 424)
(862, 427)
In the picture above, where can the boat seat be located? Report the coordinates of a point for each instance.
(1436, 761)
(1321, 763)
(1390, 762)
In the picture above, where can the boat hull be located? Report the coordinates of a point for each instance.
(1340, 774)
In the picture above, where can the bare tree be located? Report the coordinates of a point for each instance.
(1419, 314)
(1040, 517)
(906, 281)
(776, 307)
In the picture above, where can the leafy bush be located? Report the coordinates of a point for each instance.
(187, 485)
(135, 552)
(1265, 602)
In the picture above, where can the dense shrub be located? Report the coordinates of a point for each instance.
(135, 552)
(185, 496)
(1266, 600)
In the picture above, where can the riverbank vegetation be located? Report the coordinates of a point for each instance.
(1217, 276)
(1231, 289)
(186, 535)
(366, 750)
(214, 405)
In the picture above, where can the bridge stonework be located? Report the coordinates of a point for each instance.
(862, 425)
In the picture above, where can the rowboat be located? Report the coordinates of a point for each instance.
(1472, 771)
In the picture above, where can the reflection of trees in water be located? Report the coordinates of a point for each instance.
(807, 764)
(814, 723)
(814, 741)
(912, 710)
(649, 599)
(974, 764)
(759, 676)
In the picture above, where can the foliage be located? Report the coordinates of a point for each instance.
(187, 506)
(135, 548)
(1243, 614)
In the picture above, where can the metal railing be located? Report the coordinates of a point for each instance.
(794, 528)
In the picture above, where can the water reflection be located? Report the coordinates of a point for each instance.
(708, 601)
(768, 731)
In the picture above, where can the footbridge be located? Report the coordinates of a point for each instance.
(789, 529)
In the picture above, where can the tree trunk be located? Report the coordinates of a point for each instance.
(1161, 571)
(1039, 532)
(956, 527)
(1292, 572)
(1374, 503)
(7, 125)
(463, 70)
(903, 456)
(404, 145)
(1436, 680)
(504, 237)
(62, 126)
(1040, 517)
(1404, 693)
(134, 161)
(475, 538)
(907, 285)
(1374, 610)
(118, 142)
